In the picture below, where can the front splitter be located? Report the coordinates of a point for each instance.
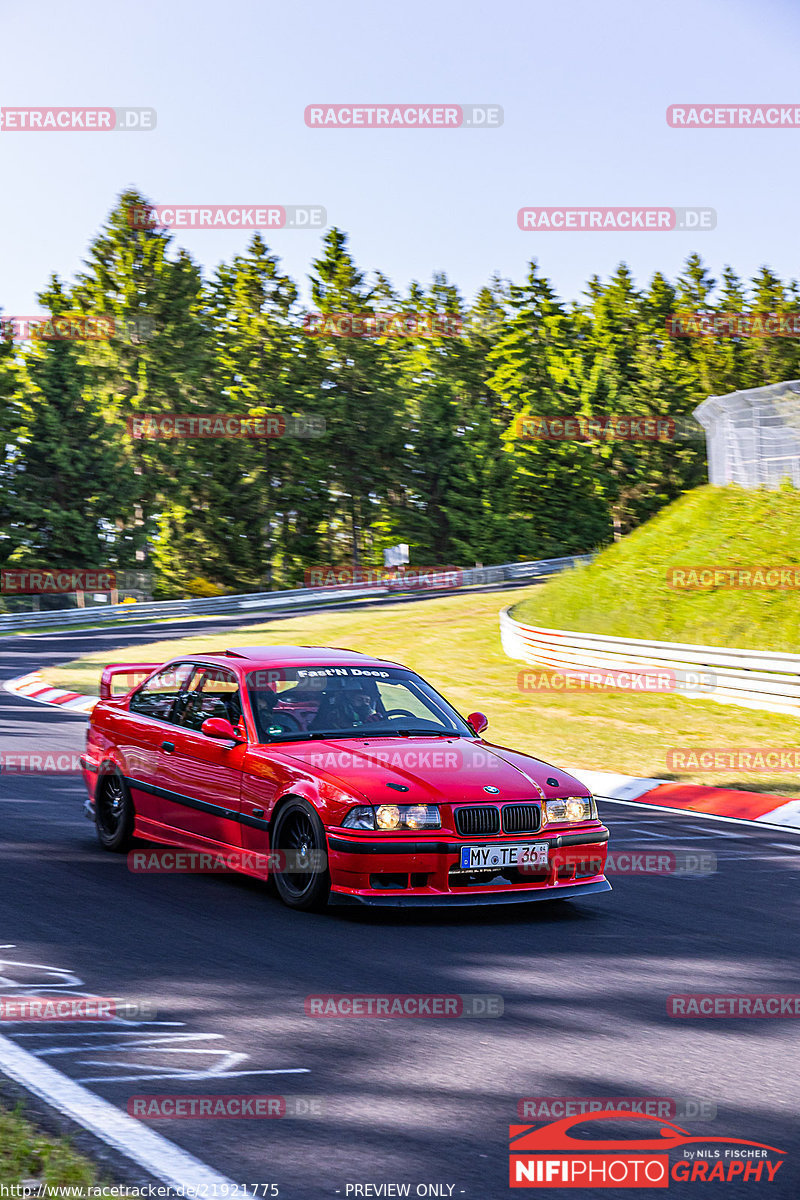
(463, 900)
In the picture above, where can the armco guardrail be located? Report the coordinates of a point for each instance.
(750, 678)
(294, 598)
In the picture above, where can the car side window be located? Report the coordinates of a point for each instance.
(156, 698)
(212, 692)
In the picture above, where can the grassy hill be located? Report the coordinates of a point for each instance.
(625, 593)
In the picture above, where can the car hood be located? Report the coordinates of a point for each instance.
(432, 770)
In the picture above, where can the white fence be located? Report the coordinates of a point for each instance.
(297, 598)
(753, 436)
(750, 678)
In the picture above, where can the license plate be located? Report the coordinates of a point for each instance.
(531, 854)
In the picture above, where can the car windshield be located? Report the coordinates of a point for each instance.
(298, 703)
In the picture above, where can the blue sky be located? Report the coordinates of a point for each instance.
(584, 87)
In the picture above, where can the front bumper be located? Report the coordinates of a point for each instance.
(424, 872)
(517, 895)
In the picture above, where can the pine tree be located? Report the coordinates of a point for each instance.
(62, 491)
(360, 376)
(554, 506)
(273, 491)
(158, 361)
(772, 358)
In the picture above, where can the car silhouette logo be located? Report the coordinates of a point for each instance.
(664, 1135)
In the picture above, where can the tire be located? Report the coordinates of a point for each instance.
(298, 829)
(114, 814)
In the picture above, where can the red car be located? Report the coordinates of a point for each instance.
(341, 777)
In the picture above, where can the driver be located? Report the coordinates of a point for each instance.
(353, 706)
(364, 705)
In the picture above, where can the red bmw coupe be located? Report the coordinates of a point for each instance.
(342, 778)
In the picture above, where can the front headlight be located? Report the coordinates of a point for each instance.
(362, 817)
(421, 816)
(388, 817)
(570, 810)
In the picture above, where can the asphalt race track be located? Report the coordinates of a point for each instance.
(584, 986)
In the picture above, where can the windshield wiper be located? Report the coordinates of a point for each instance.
(363, 732)
(301, 735)
(426, 733)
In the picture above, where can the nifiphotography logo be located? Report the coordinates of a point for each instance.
(553, 1156)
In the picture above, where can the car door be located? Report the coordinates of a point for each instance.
(202, 775)
(141, 730)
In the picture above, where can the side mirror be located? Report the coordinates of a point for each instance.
(478, 721)
(220, 727)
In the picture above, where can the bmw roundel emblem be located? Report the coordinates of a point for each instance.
(493, 790)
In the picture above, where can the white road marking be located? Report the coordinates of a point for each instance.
(694, 814)
(144, 1042)
(67, 978)
(160, 1157)
(159, 1043)
(149, 1040)
(154, 1153)
(195, 1075)
(650, 833)
(105, 1032)
(696, 835)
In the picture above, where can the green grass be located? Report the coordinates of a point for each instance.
(624, 592)
(455, 643)
(26, 1153)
